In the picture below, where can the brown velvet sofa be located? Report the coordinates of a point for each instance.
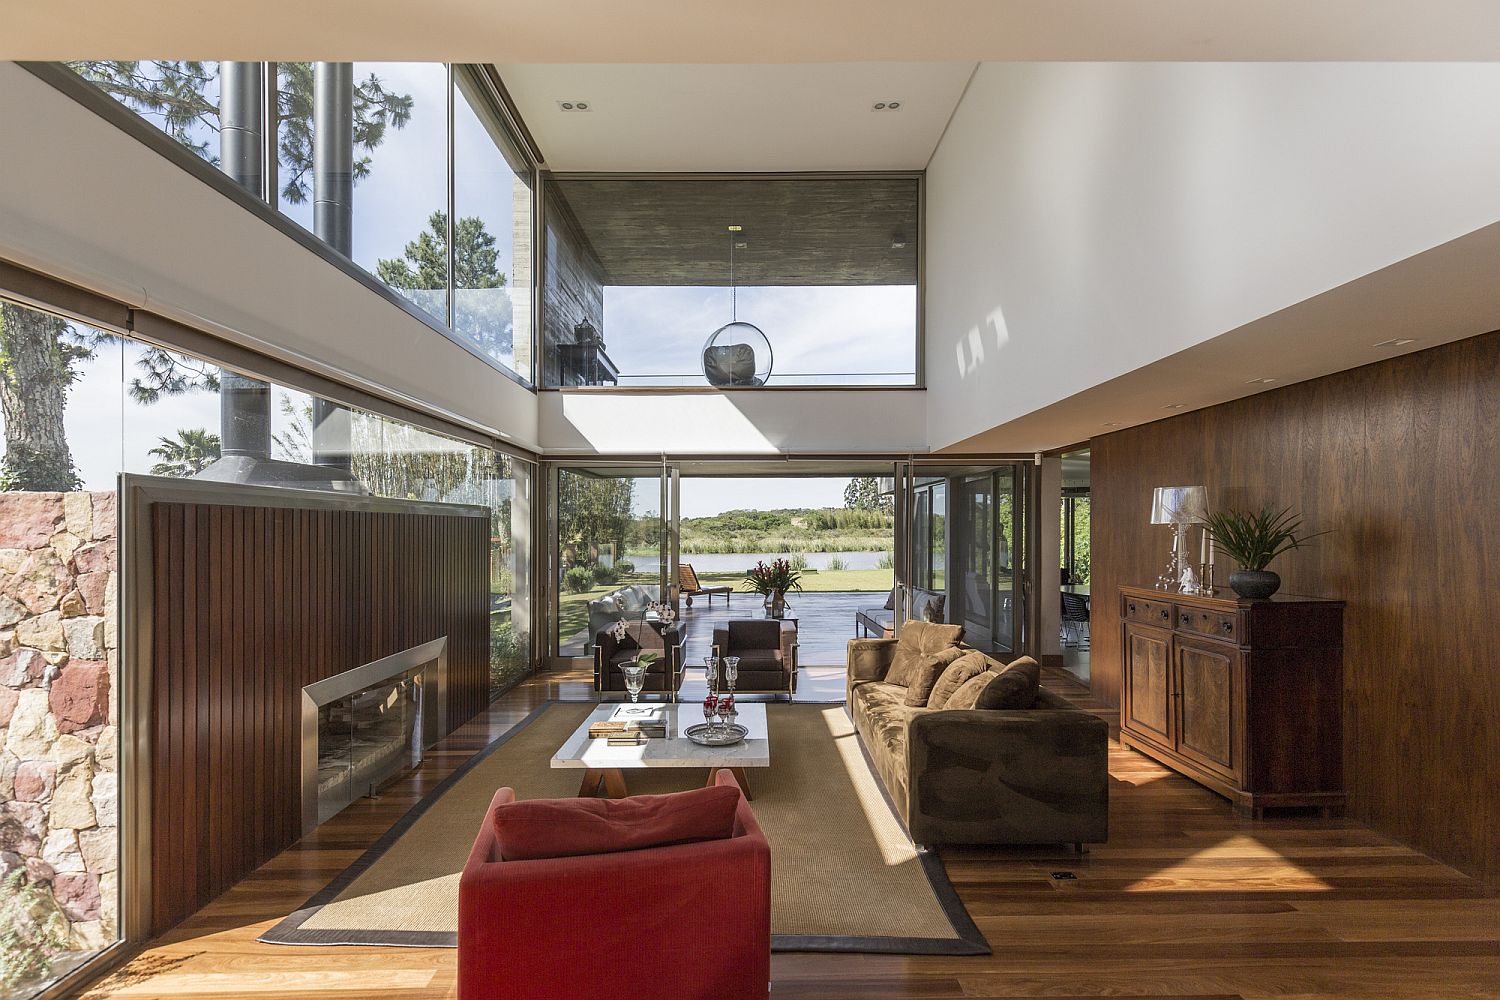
(972, 776)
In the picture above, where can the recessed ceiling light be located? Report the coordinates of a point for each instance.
(1259, 381)
(886, 106)
(1111, 423)
(574, 105)
(1396, 342)
(1174, 406)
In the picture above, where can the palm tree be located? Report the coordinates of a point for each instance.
(191, 453)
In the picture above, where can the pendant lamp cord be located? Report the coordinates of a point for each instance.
(733, 302)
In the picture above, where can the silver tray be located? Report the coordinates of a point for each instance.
(723, 736)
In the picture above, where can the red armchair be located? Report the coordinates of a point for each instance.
(630, 923)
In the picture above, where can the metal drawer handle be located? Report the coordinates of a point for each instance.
(1164, 614)
(1132, 609)
(1229, 626)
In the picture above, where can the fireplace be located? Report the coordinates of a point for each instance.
(365, 725)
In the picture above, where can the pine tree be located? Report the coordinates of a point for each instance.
(485, 319)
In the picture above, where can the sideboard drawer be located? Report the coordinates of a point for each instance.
(1146, 611)
(1216, 624)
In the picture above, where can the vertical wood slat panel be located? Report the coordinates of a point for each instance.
(1398, 460)
(250, 605)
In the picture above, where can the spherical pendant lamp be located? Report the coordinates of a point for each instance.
(737, 354)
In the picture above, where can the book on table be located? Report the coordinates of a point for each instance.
(644, 720)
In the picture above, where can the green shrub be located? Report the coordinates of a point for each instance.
(837, 565)
(33, 931)
(886, 561)
(799, 562)
(578, 580)
(606, 575)
(624, 567)
(508, 654)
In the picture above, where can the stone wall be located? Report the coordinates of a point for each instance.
(58, 725)
(574, 290)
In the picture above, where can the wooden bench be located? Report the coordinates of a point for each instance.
(689, 587)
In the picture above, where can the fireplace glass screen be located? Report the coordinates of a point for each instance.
(367, 737)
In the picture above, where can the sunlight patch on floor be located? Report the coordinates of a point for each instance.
(895, 847)
(1256, 866)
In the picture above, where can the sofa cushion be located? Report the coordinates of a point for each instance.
(562, 828)
(967, 695)
(753, 633)
(925, 677)
(882, 716)
(890, 601)
(1013, 688)
(954, 675)
(918, 642)
(934, 609)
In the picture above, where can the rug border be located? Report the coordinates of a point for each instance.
(289, 930)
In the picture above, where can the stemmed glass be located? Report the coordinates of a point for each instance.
(635, 679)
(731, 671)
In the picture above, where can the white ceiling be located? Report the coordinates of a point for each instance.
(720, 31)
(739, 117)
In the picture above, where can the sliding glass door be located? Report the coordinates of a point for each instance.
(960, 536)
(612, 528)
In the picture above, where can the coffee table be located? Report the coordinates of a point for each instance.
(605, 765)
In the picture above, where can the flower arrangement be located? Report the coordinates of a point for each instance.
(779, 577)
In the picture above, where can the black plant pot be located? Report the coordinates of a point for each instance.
(1254, 584)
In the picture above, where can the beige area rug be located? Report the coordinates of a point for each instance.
(844, 874)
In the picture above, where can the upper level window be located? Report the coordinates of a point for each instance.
(640, 273)
(359, 155)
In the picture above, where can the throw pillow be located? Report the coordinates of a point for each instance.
(918, 641)
(1014, 687)
(564, 828)
(954, 676)
(925, 677)
(890, 600)
(967, 695)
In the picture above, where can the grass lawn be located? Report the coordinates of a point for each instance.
(573, 610)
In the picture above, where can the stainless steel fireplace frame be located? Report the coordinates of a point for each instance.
(431, 657)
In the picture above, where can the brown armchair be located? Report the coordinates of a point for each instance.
(610, 654)
(767, 649)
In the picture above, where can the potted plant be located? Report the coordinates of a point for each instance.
(773, 582)
(1252, 539)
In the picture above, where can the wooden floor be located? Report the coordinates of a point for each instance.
(1184, 901)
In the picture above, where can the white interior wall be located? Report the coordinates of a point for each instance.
(81, 197)
(1085, 220)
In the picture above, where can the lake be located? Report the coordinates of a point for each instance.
(740, 562)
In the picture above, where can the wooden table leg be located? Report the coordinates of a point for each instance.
(612, 778)
(741, 779)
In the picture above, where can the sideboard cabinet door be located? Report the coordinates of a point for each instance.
(1148, 690)
(1208, 703)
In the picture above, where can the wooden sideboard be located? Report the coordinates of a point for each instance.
(1244, 697)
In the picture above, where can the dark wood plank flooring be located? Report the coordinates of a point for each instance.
(1185, 901)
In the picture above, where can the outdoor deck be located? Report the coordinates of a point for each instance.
(825, 622)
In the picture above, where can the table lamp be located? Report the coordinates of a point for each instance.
(1181, 507)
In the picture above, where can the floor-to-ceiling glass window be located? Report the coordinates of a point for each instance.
(386, 163)
(63, 393)
(609, 563)
(493, 218)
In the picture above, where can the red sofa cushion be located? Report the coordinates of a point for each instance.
(565, 828)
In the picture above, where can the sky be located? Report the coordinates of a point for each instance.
(813, 330)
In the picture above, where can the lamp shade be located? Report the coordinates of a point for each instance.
(1178, 504)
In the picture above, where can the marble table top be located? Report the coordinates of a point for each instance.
(674, 751)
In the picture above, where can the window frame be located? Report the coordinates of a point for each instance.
(71, 85)
(919, 381)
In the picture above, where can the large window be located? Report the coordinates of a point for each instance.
(640, 273)
(386, 163)
(78, 406)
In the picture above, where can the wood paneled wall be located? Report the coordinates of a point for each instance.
(248, 606)
(1401, 460)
